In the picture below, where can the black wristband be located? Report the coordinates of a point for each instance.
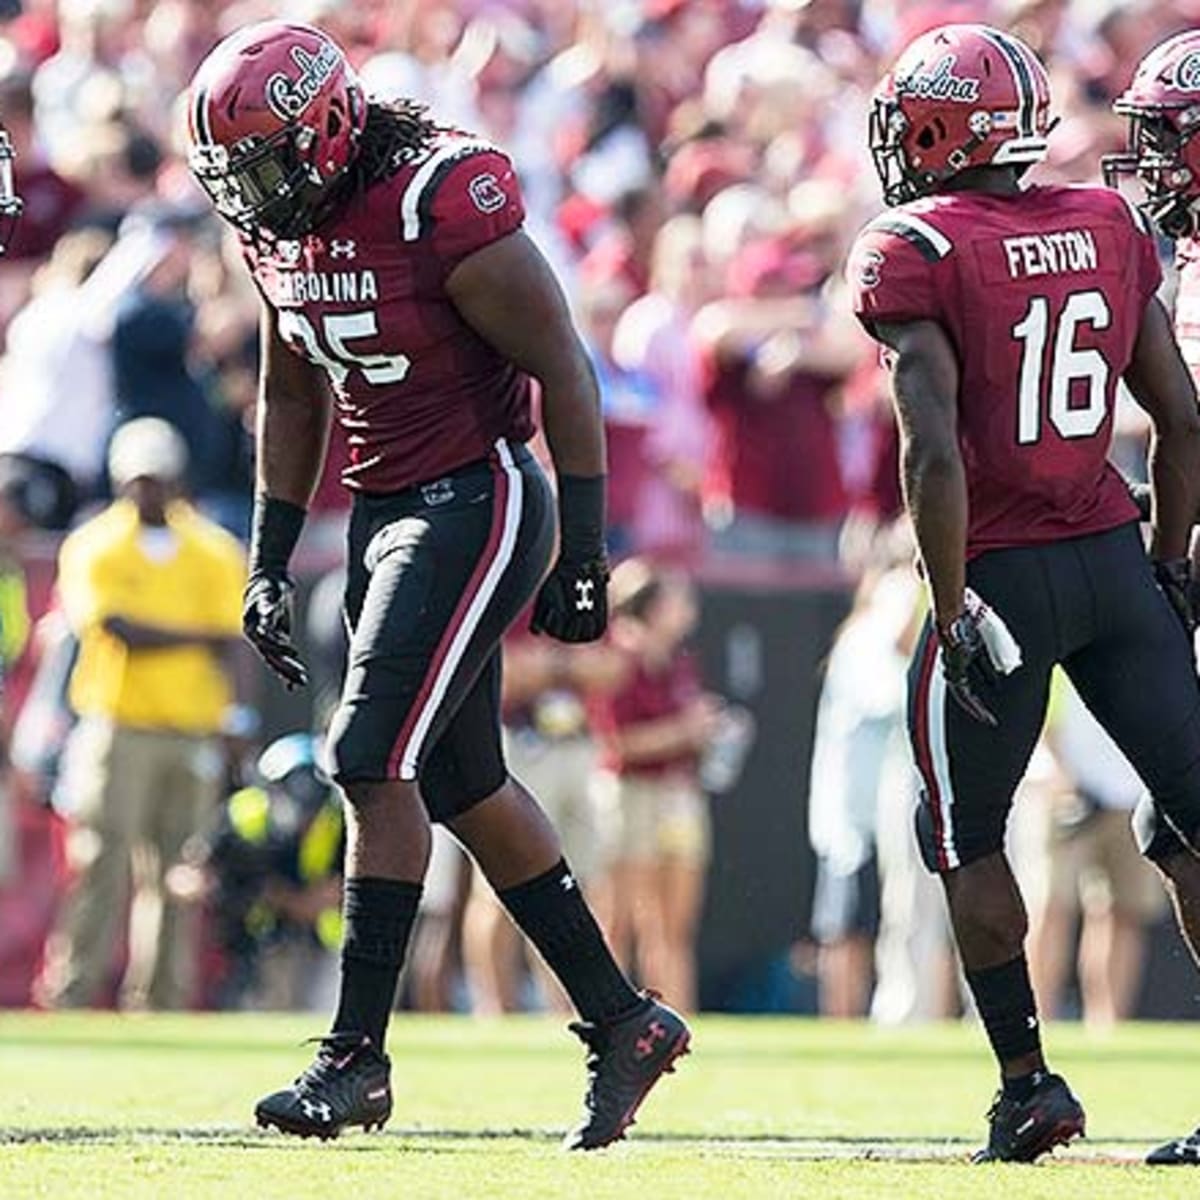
(274, 532)
(581, 516)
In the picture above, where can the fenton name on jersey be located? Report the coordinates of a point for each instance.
(1069, 250)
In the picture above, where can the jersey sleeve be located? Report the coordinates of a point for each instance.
(473, 201)
(892, 272)
(1147, 265)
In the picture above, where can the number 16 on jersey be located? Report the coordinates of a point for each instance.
(1067, 364)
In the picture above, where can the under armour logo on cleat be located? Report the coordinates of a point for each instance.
(317, 1110)
(645, 1044)
(585, 600)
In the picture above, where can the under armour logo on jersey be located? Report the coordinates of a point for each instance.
(317, 1110)
(568, 883)
(585, 599)
(343, 248)
(486, 192)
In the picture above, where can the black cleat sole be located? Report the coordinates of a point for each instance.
(1061, 1134)
(294, 1129)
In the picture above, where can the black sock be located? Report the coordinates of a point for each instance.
(378, 915)
(552, 913)
(1006, 1006)
(1021, 1087)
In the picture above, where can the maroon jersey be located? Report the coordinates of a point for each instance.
(1187, 303)
(646, 695)
(1042, 296)
(418, 392)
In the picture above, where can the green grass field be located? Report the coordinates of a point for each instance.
(157, 1107)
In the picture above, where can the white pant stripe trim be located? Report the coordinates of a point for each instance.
(471, 618)
(941, 760)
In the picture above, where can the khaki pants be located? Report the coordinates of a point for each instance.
(139, 796)
(558, 774)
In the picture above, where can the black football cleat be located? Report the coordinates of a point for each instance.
(626, 1058)
(347, 1084)
(1023, 1130)
(1183, 1152)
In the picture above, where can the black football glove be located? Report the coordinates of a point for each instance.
(1174, 578)
(965, 663)
(572, 604)
(267, 624)
(267, 602)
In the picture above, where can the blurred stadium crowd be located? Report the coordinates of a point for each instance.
(695, 169)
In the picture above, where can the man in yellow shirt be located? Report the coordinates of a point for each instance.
(152, 590)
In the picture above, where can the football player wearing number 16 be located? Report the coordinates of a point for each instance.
(1009, 313)
(400, 291)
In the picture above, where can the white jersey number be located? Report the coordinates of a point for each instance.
(336, 356)
(1067, 364)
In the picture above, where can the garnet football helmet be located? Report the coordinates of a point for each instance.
(959, 96)
(275, 113)
(1163, 107)
(10, 202)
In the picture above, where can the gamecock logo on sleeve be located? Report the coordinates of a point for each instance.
(486, 192)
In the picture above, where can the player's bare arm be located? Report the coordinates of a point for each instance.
(925, 378)
(507, 293)
(292, 427)
(925, 391)
(1162, 384)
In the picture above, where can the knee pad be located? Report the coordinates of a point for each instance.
(972, 840)
(354, 755)
(1153, 832)
(926, 835)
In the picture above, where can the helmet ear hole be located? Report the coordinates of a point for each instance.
(926, 138)
(333, 124)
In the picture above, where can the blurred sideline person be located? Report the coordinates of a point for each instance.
(859, 727)
(14, 614)
(427, 329)
(1161, 106)
(270, 870)
(1094, 870)
(63, 375)
(152, 591)
(1009, 313)
(548, 745)
(653, 728)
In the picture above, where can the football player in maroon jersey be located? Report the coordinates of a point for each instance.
(10, 202)
(401, 293)
(1162, 104)
(1008, 315)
